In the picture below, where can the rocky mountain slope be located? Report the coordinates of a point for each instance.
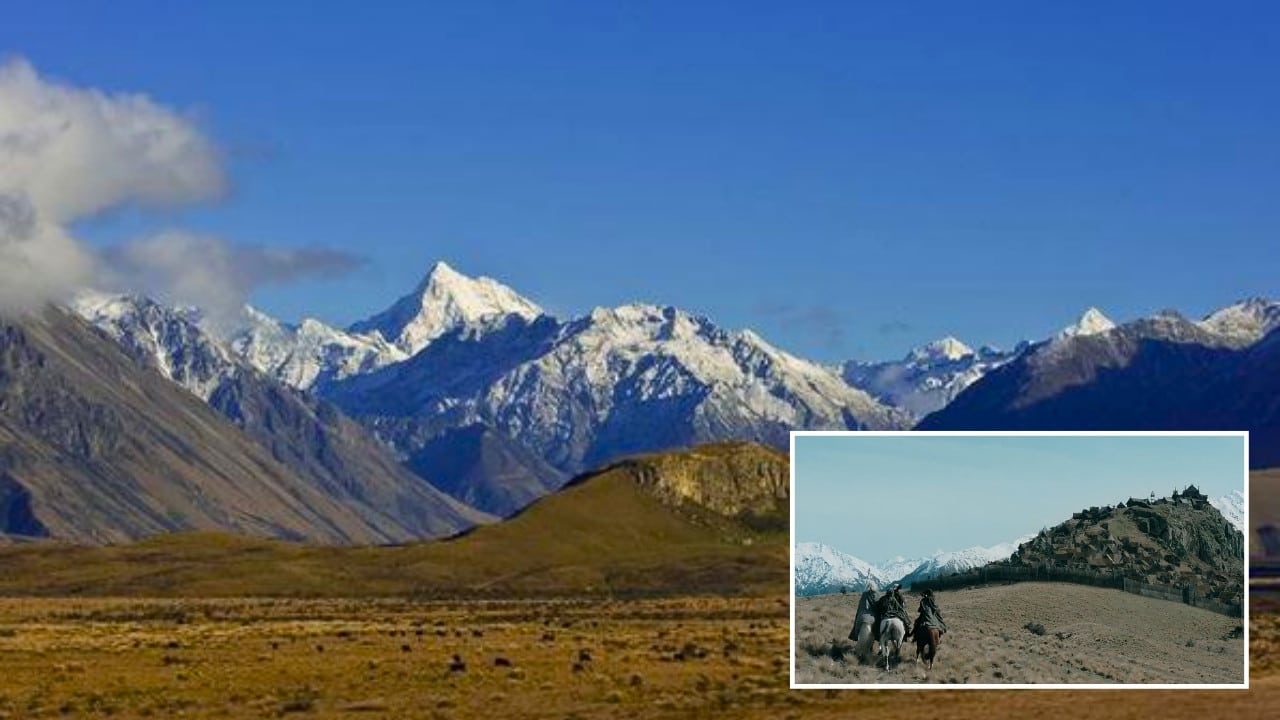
(1158, 373)
(310, 436)
(96, 447)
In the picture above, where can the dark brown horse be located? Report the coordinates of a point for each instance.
(928, 638)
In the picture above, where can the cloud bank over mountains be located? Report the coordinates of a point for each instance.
(68, 152)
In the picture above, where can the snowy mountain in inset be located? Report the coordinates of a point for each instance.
(957, 561)
(1231, 506)
(898, 567)
(821, 569)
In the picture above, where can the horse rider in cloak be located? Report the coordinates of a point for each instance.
(866, 606)
(891, 605)
(930, 615)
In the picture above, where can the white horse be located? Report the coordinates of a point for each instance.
(863, 631)
(864, 621)
(891, 633)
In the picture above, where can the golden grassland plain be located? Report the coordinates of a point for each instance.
(1033, 633)
(682, 657)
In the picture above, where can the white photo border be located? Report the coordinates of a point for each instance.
(791, 551)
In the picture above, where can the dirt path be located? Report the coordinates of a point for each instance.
(1091, 635)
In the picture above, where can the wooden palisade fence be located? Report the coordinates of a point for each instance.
(1016, 573)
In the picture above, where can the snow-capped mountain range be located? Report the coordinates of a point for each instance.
(1247, 321)
(462, 352)
(932, 375)
(617, 381)
(928, 377)
(822, 569)
(444, 301)
(170, 339)
(957, 561)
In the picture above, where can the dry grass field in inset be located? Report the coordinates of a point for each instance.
(1034, 633)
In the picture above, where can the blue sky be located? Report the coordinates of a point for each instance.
(850, 179)
(985, 490)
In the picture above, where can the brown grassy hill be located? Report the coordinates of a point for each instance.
(96, 448)
(606, 533)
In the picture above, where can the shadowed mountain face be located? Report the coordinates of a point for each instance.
(95, 447)
(1163, 373)
(484, 468)
(670, 523)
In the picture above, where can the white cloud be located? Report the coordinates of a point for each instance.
(38, 261)
(76, 151)
(214, 274)
(68, 152)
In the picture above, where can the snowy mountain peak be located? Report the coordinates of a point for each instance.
(446, 300)
(821, 569)
(948, 348)
(309, 353)
(958, 561)
(1091, 322)
(928, 377)
(1231, 506)
(171, 340)
(1248, 320)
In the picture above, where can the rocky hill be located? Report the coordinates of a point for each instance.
(1177, 541)
(733, 479)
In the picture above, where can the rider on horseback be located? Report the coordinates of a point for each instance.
(891, 605)
(866, 604)
(929, 615)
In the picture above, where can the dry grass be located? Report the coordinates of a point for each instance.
(335, 658)
(1034, 633)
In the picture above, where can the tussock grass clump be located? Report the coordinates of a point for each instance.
(1035, 628)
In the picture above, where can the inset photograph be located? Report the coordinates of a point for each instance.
(1019, 559)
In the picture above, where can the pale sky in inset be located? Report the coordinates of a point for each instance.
(876, 496)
